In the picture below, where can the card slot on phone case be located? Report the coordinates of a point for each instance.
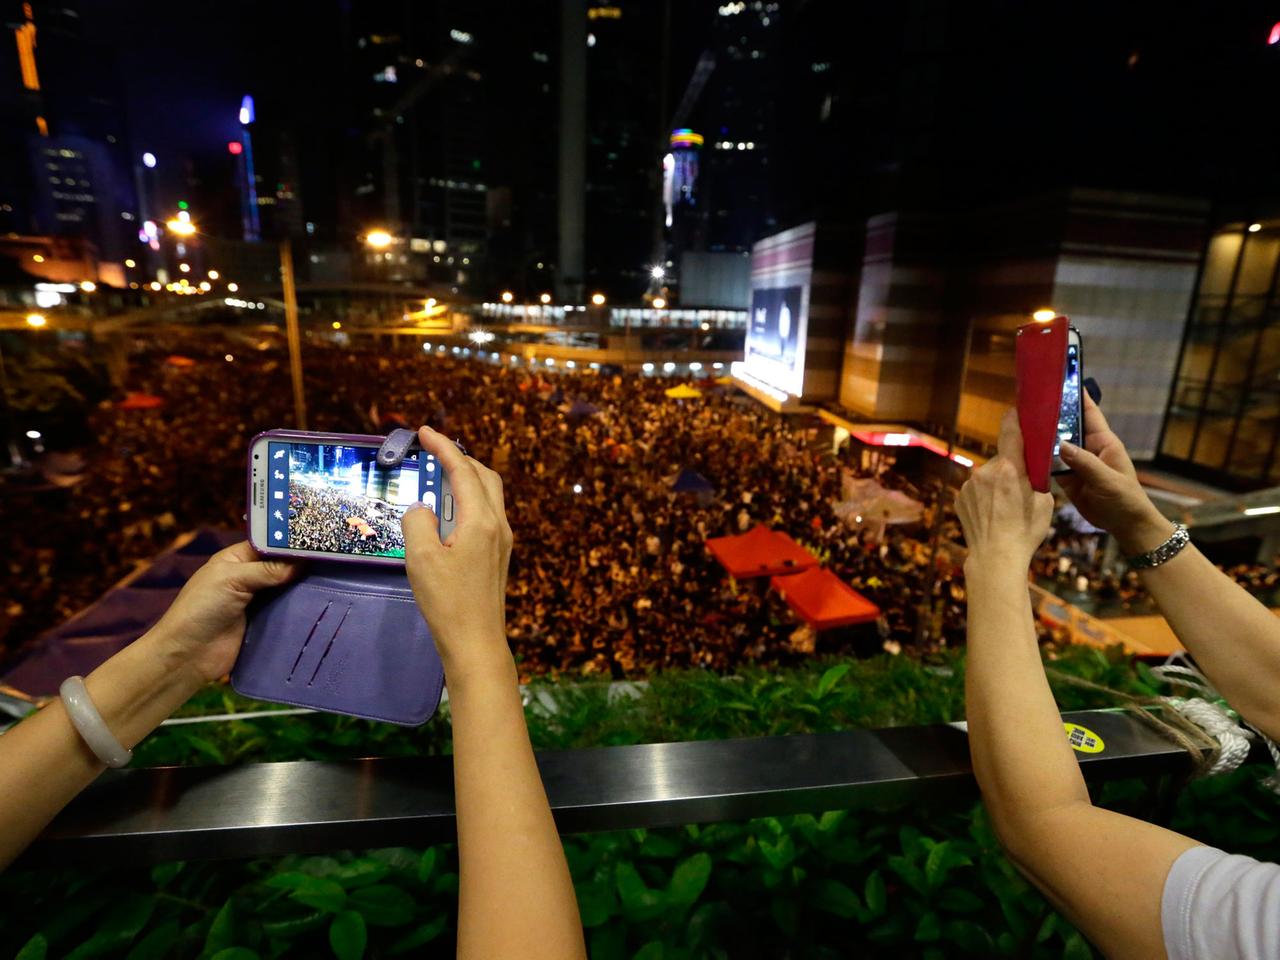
(307, 642)
(329, 646)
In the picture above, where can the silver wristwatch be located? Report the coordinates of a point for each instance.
(1163, 553)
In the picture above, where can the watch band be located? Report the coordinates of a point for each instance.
(1163, 553)
(90, 725)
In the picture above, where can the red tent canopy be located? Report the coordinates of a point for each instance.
(824, 600)
(140, 401)
(760, 552)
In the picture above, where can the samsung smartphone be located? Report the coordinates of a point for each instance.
(323, 495)
(1071, 413)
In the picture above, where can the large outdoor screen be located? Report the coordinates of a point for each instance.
(781, 270)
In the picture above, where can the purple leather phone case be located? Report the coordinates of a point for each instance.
(343, 639)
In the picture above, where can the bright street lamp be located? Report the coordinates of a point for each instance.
(378, 239)
(88, 286)
(545, 297)
(183, 228)
(659, 303)
(598, 299)
(36, 320)
(658, 272)
(213, 274)
(233, 287)
(507, 296)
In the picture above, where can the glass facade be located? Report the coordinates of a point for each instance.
(1224, 412)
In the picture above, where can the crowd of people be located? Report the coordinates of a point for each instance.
(610, 574)
(321, 518)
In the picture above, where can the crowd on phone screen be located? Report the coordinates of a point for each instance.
(610, 574)
(323, 519)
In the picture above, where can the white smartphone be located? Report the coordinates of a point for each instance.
(324, 496)
(1071, 413)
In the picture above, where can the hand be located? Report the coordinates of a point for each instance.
(204, 626)
(1004, 520)
(461, 583)
(1104, 486)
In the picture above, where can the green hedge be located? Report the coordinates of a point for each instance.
(920, 881)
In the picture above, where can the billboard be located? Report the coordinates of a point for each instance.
(777, 329)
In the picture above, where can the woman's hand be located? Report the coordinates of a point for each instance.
(1004, 520)
(1104, 486)
(461, 583)
(204, 626)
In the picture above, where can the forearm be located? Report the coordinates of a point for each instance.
(1021, 757)
(43, 761)
(1234, 638)
(515, 895)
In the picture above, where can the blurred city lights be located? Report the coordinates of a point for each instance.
(183, 228)
(695, 366)
(551, 361)
(184, 267)
(378, 239)
(668, 366)
(659, 303)
(206, 286)
(36, 320)
(480, 337)
(130, 264)
(577, 488)
(507, 296)
(598, 299)
(149, 160)
(647, 368)
(34, 434)
(658, 272)
(1260, 511)
(426, 346)
(1274, 36)
(235, 148)
(213, 274)
(570, 364)
(337, 324)
(717, 366)
(154, 284)
(233, 287)
(705, 326)
(1044, 315)
(1255, 227)
(88, 286)
(545, 297)
(37, 258)
(229, 358)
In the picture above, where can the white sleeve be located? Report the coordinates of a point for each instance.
(1221, 906)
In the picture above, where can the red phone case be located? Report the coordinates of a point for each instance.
(1041, 358)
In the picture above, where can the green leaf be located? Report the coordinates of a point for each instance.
(968, 936)
(289, 880)
(158, 943)
(959, 900)
(383, 905)
(596, 903)
(639, 903)
(831, 677)
(320, 866)
(162, 874)
(121, 926)
(650, 951)
(320, 893)
(909, 873)
(294, 926)
(423, 934)
(942, 858)
(34, 949)
(427, 865)
(689, 880)
(661, 846)
(785, 915)
(1077, 948)
(237, 953)
(830, 820)
(1046, 928)
(222, 931)
(929, 928)
(832, 896)
(875, 894)
(779, 855)
(361, 873)
(348, 936)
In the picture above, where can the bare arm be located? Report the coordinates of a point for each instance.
(515, 896)
(43, 761)
(1234, 638)
(1104, 870)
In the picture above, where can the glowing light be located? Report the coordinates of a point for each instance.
(213, 274)
(684, 137)
(233, 287)
(705, 326)
(246, 110)
(154, 284)
(229, 358)
(184, 267)
(34, 434)
(1255, 227)
(1274, 36)
(37, 258)
(668, 366)
(461, 36)
(658, 272)
(507, 296)
(431, 302)
(206, 286)
(598, 299)
(647, 368)
(545, 297)
(235, 147)
(577, 488)
(183, 228)
(88, 286)
(184, 215)
(1261, 511)
(962, 460)
(1044, 315)
(183, 205)
(695, 366)
(149, 160)
(659, 303)
(36, 320)
(551, 361)
(337, 324)
(717, 366)
(378, 239)
(570, 364)
(480, 337)
(896, 440)
(130, 264)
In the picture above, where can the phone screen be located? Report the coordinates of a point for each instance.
(1069, 416)
(334, 498)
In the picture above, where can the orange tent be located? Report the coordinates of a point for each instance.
(760, 552)
(823, 600)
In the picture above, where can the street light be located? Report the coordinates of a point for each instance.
(378, 239)
(36, 320)
(659, 303)
(598, 299)
(507, 296)
(1255, 227)
(658, 272)
(545, 298)
(233, 287)
(213, 274)
(88, 286)
(183, 228)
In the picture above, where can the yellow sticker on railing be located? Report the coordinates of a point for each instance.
(1083, 739)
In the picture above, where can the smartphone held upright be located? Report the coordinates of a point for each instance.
(1049, 363)
(324, 496)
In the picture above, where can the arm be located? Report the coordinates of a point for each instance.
(515, 896)
(43, 760)
(1234, 638)
(1104, 870)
